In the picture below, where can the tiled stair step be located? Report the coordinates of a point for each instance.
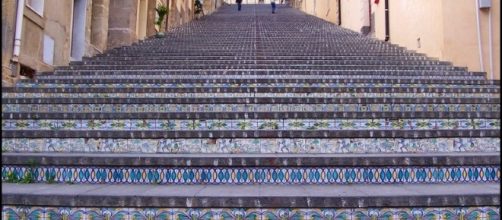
(255, 133)
(247, 80)
(347, 76)
(257, 146)
(252, 53)
(252, 196)
(103, 57)
(241, 124)
(268, 66)
(292, 62)
(195, 169)
(298, 88)
(278, 87)
(284, 72)
(274, 61)
(255, 100)
(303, 62)
(344, 43)
(103, 113)
(487, 212)
(178, 94)
(263, 51)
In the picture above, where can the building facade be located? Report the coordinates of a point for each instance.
(38, 35)
(466, 33)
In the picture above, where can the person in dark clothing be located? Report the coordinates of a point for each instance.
(239, 4)
(272, 2)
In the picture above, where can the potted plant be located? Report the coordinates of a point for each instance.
(198, 8)
(162, 11)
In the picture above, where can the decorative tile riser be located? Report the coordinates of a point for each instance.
(74, 213)
(473, 88)
(255, 61)
(250, 95)
(196, 89)
(258, 77)
(263, 66)
(181, 57)
(250, 175)
(230, 80)
(254, 124)
(265, 133)
(258, 145)
(253, 100)
(233, 108)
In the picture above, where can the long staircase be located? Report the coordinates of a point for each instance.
(253, 115)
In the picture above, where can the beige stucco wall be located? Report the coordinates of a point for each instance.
(122, 23)
(414, 24)
(355, 14)
(31, 40)
(443, 29)
(58, 26)
(462, 48)
(447, 30)
(8, 27)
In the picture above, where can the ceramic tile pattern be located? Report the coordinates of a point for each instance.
(132, 108)
(261, 175)
(253, 145)
(254, 124)
(273, 85)
(249, 95)
(74, 213)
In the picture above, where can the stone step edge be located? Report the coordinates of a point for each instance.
(252, 196)
(250, 160)
(249, 115)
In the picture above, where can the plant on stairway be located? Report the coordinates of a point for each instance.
(162, 12)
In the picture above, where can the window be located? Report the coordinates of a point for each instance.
(36, 5)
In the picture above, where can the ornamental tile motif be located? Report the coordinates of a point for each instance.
(285, 76)
(253, 145)
(261, 175)
(254, 124)
(252, 85)
(250, 95)
(74, 213)
(133, 108)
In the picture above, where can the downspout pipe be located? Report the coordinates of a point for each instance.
(18, 31)
(387, 26)
(339, 12)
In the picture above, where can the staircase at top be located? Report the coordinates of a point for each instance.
(251, 98)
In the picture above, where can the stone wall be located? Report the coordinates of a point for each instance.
(122, 23)
(108, 24)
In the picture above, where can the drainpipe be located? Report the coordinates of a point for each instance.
(481, 63)
(18, 32)
(340, 12)
(387, 26)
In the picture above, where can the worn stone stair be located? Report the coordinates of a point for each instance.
(258, 116)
